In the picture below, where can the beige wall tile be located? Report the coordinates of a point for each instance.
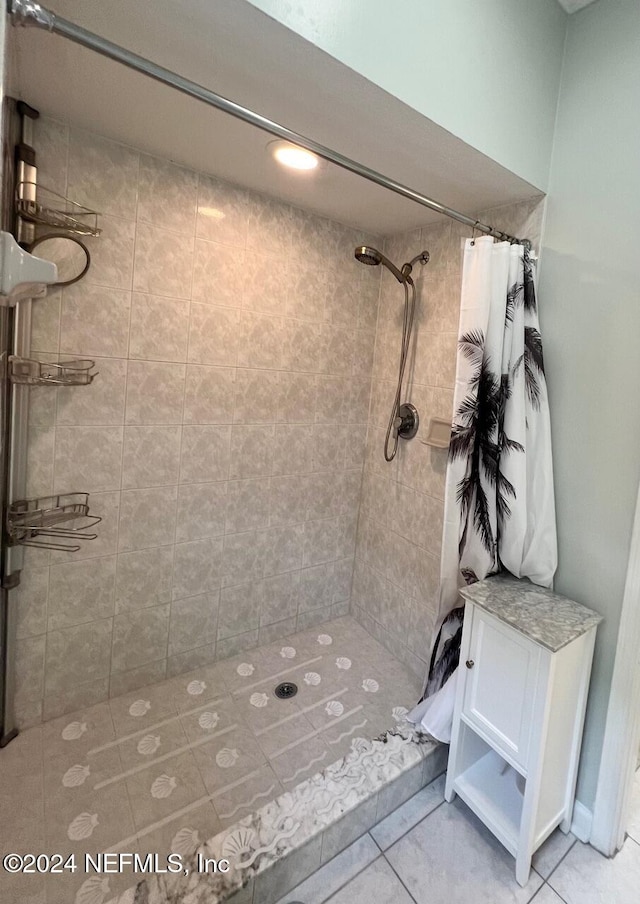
(112, 253)
(219, 275)
(209, 395)
(155, 393)
(151, 456)
(248, 505)
(258, 395)
(205, 454)
(251, 453)
(52, 140)
(139, 637)
(95, 321)
(81, 592)
(159, 327)
(88, 459)
(77, 655)
(213, 335)
(30, 602)
(193, 622)
(260, 342)
(101, 403)
(201, 510)
(102, 174)
(144, 578)
(147, 518)
(197, 567)
(167, 195)
(45, 322)
(222, 212)
(163, 262)
(244, 557)
(239, 610)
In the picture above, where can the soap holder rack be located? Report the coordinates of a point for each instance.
(438, 433)
(31, 521)
(76, 372)
(54, 210)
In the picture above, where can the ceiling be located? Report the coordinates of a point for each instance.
(572, 6)
(237, 51)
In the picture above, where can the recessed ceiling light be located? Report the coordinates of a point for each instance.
(293, 156)
(213, 212)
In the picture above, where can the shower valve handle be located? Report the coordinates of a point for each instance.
(406, 421)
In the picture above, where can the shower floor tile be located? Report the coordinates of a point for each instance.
(151, 770)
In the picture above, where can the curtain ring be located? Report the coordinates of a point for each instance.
(473, 232)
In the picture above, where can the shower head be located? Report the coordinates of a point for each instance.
(367, 255)
(372, 257)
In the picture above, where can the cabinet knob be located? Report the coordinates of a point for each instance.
(469, 663)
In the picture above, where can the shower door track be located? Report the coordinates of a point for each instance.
(29, 13)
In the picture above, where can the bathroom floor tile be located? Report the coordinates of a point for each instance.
(210, 718)
(87, 819)
(377, 882)
(164, 788)
(633, 827)
(77, 776)
(180, 834)
(223, 761)
(153, 743)
(261, 709)
(286, 736)
(428, 860)
(549, 855)
(67, 888)
(301, 761)
(248, 670)
(402, 820)
(79, 732)
(335, 874)
(586, 877)
(196, 687)
(141, 709)
(237, 799)
(167, 766)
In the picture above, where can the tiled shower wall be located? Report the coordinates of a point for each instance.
(234, 339)
(397, 569)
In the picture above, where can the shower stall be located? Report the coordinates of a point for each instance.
(210, 672)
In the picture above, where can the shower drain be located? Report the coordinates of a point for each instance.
(286, 689)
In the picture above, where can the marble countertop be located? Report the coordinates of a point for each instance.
(537, 612)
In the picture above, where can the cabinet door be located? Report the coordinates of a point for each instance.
(500, 686)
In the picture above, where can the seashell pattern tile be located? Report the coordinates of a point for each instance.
(163, 786)
(165, 768)
(74, 730)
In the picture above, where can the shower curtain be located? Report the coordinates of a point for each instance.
(499, 506)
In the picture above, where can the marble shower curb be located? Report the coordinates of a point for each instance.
(278, 846)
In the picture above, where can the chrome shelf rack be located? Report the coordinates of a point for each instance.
(76, 372)
(30, 522)
(45, 207)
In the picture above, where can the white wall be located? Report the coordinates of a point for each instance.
(488, 72)
(590, 311)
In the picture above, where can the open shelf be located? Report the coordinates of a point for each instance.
(489, 787)
(42, 521)
(45, 207)
(76, 372)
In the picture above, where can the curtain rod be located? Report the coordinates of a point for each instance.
(29, 13)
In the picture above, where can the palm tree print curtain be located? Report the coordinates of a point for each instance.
(499, 504)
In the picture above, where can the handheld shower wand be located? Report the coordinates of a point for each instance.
(404, 420)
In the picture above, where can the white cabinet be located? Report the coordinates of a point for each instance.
(525, 663)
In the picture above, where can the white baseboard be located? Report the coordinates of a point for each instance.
(582, 821)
